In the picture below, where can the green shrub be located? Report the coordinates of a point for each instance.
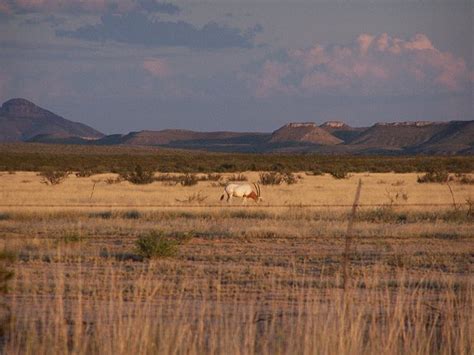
(4, 216)
(139, 176)
(156, 245)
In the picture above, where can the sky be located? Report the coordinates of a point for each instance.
(130, 65)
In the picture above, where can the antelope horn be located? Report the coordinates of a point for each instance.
(257, 187)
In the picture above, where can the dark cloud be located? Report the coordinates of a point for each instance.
(138, 28)
(86, 6)
(50, 19)
(162, 7)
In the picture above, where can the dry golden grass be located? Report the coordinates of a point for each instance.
(249, 280)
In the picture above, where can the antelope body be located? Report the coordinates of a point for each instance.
(243, 191)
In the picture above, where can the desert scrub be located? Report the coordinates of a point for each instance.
(139, 176)
(435, 176)
(53, 177)
(156, 245)
(188, 180)
(339, 173)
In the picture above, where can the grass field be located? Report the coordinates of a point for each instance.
(263, 279)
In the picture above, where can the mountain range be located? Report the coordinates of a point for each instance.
(23, 121)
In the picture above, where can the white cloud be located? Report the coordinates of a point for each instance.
(371, 65)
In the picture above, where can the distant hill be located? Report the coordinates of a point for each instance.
(398, 135)
(342, 130)
(307, 132)
(21, 120)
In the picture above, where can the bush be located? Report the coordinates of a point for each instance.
(103, 215)
(189, 180)
(85, 172)
(139, 176)
(433, 177)
(339, 173)
(465, 179)
(133, 214)
(53, 177)
(271, 178)
(290, 178)
(156, 245)
(237, 177)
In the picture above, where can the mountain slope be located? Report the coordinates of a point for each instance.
(399, 135)
(21, 120)
(303, 133)
(342, 130)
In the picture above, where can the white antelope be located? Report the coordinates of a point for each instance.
(244, 191)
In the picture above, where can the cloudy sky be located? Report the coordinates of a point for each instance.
(128, 65)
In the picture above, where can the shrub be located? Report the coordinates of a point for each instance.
(271, 178)
(103, 215)
(189, 180)
(316, 172)
(85, 172)
(237, 177)
(156, 245)
(131, 214)
(5, 276)
(465, 179)
(339, 173)
(290, 178)
(113, 181)
(4, 216)
(139, 176)
(53, 177)
(212, 177)
(71, 237)
(433, 177)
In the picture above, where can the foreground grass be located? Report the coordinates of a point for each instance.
(109, 313)
(240, 280)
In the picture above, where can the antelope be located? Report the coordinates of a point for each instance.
(243, 191)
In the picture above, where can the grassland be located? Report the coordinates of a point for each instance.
(246, 279)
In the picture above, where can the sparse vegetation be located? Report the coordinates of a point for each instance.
(339, 173)
(237, 177)
(139, 176)
(156, 245)
(434, 177)
(53, 177)
(196, 197)
(248, 279)
(271, 178)
(189, 180)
